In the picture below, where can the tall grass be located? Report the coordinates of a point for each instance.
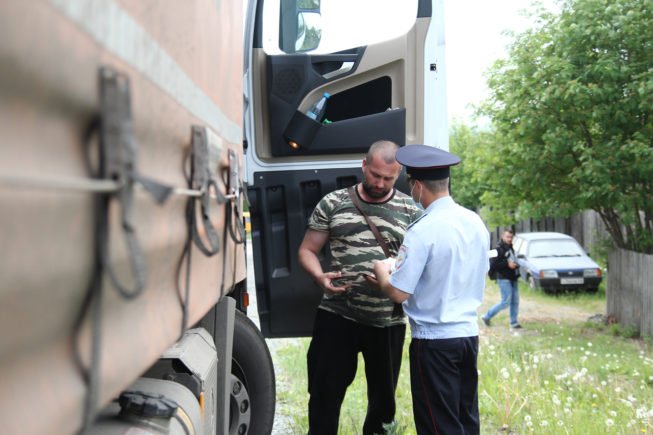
(559, 375)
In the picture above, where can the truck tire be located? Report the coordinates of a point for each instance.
(253, 374)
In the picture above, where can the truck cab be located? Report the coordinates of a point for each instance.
(383, 67)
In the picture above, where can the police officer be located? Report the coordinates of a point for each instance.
(439, 276)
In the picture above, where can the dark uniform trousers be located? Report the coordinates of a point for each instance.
(332, 361)
(444, 384)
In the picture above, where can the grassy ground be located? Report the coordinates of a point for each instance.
(559, 375)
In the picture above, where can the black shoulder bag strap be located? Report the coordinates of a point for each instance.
(398, 309)
(375, 230)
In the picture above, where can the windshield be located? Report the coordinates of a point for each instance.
(555, 248)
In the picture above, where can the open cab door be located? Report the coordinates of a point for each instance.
(382, 63)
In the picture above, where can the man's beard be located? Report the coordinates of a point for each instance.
(376, 194)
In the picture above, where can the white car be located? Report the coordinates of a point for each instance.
(555, 262)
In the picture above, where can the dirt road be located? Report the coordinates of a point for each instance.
(539, 308)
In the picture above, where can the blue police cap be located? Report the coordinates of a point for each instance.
(425, 162)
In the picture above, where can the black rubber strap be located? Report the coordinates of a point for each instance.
(211, 233)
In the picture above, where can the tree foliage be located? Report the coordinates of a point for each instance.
(571, 107)
(466, 185)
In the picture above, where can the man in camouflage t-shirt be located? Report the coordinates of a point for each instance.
(354, 316)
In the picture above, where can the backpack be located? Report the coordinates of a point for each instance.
(492, 273)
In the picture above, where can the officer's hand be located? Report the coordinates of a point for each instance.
(381, 270)
(326, 282)
(372, 281)
(512, 265)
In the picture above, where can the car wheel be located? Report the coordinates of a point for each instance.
(252, 400)
(592, 290)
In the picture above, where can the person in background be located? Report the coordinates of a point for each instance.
(507, 274)
(439, 276)
(353, 317)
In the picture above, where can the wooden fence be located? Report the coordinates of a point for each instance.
(630, 290)
(586, 227)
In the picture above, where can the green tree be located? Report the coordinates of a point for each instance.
(572, 108)
(466, 142)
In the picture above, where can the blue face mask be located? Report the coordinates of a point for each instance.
(417, 202)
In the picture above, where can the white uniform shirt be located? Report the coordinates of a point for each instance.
(442, 264)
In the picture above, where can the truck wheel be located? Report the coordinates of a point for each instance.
(253, 394)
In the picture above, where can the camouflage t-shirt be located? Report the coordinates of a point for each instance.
(354, 250)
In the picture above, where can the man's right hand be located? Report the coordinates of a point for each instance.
(512, 265)
(326, 282)
(308, 253)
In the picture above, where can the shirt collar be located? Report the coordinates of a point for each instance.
(440, 203)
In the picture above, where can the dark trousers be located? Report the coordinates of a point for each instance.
(444, 385)
(332, 361)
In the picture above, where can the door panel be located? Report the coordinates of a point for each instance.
(357, 114)
(376, 93)
(280, 204)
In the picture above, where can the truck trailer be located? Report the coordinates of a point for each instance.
(134, 136)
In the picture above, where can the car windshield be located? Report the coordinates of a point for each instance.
(555, 248)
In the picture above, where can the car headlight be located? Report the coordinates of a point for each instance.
(592, 273)
(548, 274)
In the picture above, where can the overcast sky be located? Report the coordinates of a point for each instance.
(473, 41)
